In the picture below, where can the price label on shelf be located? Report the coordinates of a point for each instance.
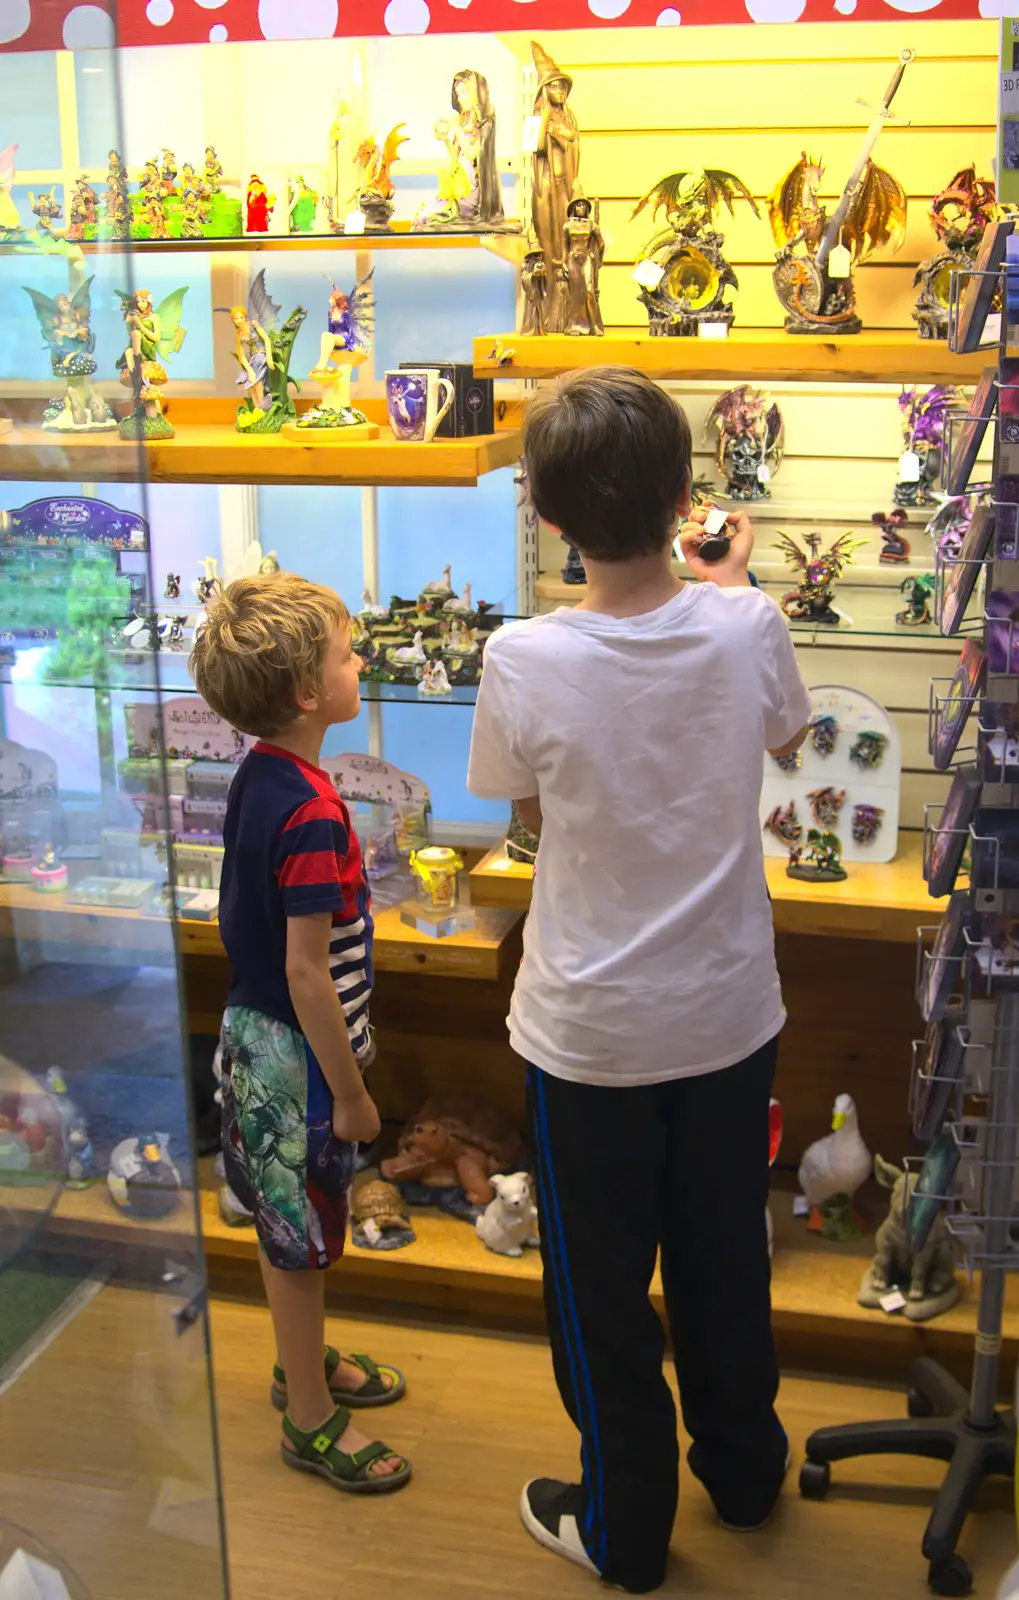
(647, 274)
(531, 134)
(892, 1302)
(909, 467)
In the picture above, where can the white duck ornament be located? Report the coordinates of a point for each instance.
(832, 1170)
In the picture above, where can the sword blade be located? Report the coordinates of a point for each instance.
(855, 179)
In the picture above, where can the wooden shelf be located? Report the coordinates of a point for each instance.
(881, 901)
(762, 354)
(478, 952)
(216, 453)
(507, 247)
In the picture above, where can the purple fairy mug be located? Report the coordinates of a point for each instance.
(412, 401)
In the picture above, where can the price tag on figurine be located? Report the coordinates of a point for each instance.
(531, 135)
(647, 274)
(355, 222)
(840, 262)
(892, 1302)
(801, 1206)
(763, 472)
(909, 467)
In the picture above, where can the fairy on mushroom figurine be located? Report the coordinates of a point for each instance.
(832, 1170)
(462, 606)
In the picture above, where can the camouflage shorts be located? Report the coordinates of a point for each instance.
(282, 1159)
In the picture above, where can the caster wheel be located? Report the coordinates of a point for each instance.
(951, 1576)
(918, 1405)
(815, 1480)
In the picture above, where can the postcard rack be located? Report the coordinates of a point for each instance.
(964, 1098)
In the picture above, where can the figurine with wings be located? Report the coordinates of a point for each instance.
(959, 215)
(686, 275)
(262, 350)
(154, 333)
(811, 600)
(345, 344)
(64, 324)
(751, 439)
(10, 222)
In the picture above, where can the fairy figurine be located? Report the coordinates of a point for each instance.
(344, 346)
(82, 212)
(154, 333)
(262, 351)
(213, 170)
(64, 324)
(301, 205)
(10, 221)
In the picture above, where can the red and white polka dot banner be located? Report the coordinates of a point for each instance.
(73, 25)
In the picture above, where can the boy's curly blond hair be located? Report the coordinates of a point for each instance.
(262, 645)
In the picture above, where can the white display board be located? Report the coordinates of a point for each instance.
(854, 713)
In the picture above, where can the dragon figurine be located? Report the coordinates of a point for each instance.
(262, 351)
(375, 191)
(959, 216)
(751, 436)
(64, 322)
(692, 273)
(814, 298)
(924, 422)
(811, 600)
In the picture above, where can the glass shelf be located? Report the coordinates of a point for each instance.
(868, 611)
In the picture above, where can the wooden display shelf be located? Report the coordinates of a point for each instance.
(213, 452)
(478, 952)
(508, 247)
(762, 354)
(883, 900)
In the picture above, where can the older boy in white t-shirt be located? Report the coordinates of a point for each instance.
(631, 731)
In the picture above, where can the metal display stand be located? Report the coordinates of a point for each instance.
(945, 1422)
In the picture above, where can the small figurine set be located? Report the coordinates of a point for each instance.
(196, 207)
(345, 344)
(838, 801)
(751, 438)
(436, 641)
(960, 215)
(924, 421)
(263, 347)
(682, 273)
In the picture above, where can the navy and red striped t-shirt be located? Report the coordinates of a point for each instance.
(290, 851)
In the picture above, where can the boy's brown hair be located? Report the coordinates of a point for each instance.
(262, 645)
(608, 457)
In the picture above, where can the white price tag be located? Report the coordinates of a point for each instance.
(715, 521)
(712, 330)
(373, 1233)
(840, 262)
(909, 467)
(354, 223)
(892, 1302)
(531, 134)
(763, 472)
(992, 329)
(647, 274)
(801, 1206)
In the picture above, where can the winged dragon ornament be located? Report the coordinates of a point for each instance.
(682, 272)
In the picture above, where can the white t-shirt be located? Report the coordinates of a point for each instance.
(649, 951)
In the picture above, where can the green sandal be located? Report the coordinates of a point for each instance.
(317, 1452)
(373, 1392)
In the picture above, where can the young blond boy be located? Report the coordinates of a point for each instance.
(275, 660)
(631, 731)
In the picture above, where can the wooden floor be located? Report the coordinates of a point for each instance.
(481, 1416)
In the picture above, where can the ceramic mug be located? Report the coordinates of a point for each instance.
(412, 400)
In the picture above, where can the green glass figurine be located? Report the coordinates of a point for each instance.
(262, 351)
(64, 323)
(154, 333)
(301, 210)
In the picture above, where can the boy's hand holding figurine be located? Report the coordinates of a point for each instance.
(732, 571)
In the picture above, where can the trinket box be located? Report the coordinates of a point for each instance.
(473, 408)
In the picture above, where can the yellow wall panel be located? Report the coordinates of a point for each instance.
(575, 49)
(935, 94)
